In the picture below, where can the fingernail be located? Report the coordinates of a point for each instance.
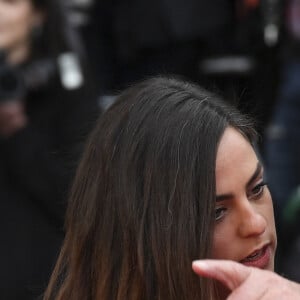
(199, 264)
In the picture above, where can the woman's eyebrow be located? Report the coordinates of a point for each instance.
(254, 176)
(223, 197)
(256, 173)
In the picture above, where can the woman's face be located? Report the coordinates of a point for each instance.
(244, 227)
(17, 19)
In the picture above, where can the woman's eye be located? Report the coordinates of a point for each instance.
(258, 189)
(219, 213)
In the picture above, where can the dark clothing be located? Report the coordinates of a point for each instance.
(151, 24)
(36, 167)
(130, 40)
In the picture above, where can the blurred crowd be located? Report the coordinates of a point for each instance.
(62, 63)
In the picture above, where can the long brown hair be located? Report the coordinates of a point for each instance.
(142, 204)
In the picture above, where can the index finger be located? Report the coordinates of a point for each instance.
(230, 273)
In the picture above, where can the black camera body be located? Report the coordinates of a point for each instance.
(15, 81)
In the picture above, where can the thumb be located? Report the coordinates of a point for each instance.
(230, 273)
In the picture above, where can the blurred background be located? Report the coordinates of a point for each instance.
(63, 62)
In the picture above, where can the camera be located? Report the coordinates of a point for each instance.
(16, 81)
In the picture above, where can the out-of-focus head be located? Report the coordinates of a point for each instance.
(18, 21)
(31, 29)
(142, 206)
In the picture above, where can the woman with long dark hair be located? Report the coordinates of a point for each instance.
(46, 109)
(169, 175)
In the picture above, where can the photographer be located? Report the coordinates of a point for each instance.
(46, 108)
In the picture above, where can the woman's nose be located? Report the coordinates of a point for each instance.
(252, 223)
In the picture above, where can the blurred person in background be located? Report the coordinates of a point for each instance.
(46, 108)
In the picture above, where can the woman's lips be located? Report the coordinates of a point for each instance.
(258, 259)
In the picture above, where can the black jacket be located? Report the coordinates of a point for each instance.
(36, 168)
